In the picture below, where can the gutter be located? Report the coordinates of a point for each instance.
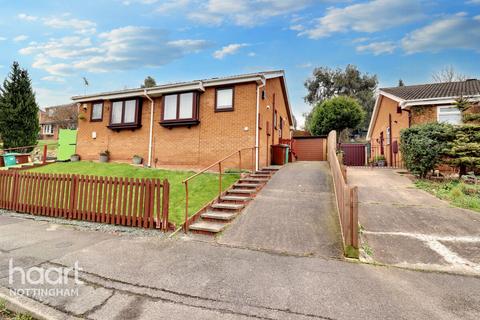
(257, 115)
(150, 139)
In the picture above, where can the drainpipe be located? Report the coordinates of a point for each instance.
(149, 162)
(257, 135)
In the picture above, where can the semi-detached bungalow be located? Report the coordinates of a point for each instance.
(398, 108)
(190, 124)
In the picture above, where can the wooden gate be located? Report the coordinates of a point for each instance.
(353, 154)
(310, 148)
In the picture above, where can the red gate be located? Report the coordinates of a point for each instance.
(353, 154)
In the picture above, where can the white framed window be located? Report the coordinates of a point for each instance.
(47, 129)
(117, 112)
(449, 114)
(224, 99)
(97, 112)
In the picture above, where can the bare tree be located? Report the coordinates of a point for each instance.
(448, 74)
(64, 116)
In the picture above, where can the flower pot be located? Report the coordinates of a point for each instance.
(137, 160)
(74, 158)
(103, 158)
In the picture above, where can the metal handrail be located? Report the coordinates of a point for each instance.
(220, 189)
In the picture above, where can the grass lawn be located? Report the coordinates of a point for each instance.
(6, 314)
(457, 193)
(51, 144)
(201, 189)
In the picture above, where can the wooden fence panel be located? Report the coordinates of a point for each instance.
(120, 201)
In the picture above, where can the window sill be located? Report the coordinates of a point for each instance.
(179, 123)
(129, 126)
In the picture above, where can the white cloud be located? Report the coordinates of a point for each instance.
(453, 32)
(119, 49)
(80, 26)
(53, 79)
(252, 54)
(306, 65)
(228, 50)
(3, 38)
(20, 38)
(297, 27)
(47, 97)
(474, 2)
(370, 16)
(26, 17)
(377, 48)
(172, 5)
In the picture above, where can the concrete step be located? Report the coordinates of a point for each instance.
(235, 198)
(271, 168)
(247, 185)
(269, 173)
(253, 180)
(242, 191)
(207, 226)
(218, 215)
(260, 175)
(227, 206)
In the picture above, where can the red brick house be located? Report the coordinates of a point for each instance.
(190, 124)
(55, 118)
(401, 107)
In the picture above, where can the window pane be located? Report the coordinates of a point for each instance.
(449, 115)
(225, 99)
(129, 111)
(97, 111)
(117, 112)
(186, 105)
(170, 107)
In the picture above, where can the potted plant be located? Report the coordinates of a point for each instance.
(104, 156)
(81, 116)
(75, 157)
(380, 161)
(137, 159)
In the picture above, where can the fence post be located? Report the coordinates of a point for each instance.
(146, 206)
(354, 215)
(73, 197)
(165, 204)
(186, 208)
(219, 179)
(44, 160)
(15, 191)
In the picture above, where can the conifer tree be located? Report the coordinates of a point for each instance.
(18, 110)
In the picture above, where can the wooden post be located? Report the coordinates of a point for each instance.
(219, 179)
(186, 207)
(354, 216)
(165, 204)
(44, 160)
(73, 196)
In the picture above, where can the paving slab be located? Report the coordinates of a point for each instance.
(295, 213)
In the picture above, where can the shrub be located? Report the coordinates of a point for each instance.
(423, 146)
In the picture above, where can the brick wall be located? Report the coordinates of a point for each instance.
(217, 135)
(424, 114)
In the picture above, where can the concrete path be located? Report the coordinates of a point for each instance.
(409, 227)
(126, 277)
(294, 213)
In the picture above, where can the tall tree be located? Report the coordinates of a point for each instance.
(149, 82)
(327, 83)
(448, 74)
(338, 113)
(400, 83)
(18, 110)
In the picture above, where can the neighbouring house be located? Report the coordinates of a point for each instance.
(398, 108)
(55, 118)
(192, 124)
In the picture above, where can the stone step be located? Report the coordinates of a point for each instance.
(253, 180)
(235, 198)
(259, 175)
(269, 173)
(218, 215)
(207, 226)
(271, 168)
(243, 191)
(247, 185)
(228, 206)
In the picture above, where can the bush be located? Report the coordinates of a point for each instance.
(423, 146)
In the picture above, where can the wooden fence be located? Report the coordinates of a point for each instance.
(346, 196)
(120, 201)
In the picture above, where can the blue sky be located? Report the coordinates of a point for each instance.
(115, 44)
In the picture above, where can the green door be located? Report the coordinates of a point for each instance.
(67, 141)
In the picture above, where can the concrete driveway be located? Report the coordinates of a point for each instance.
(406, 226)
(294, 213)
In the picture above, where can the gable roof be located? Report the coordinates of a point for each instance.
(436, 90)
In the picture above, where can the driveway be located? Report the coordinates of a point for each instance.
(294, 213)
(409, 227)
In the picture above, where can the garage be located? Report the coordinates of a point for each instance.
(312, 148)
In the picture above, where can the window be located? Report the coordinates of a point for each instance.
(224, 99)
(449, 114)
(97, 111)
(180, 109)
(125, 114)
(47, 129)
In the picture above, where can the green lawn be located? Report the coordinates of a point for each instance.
(458, 193)
(202, 189)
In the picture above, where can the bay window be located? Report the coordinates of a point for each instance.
(125, 114)
(180, 109)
